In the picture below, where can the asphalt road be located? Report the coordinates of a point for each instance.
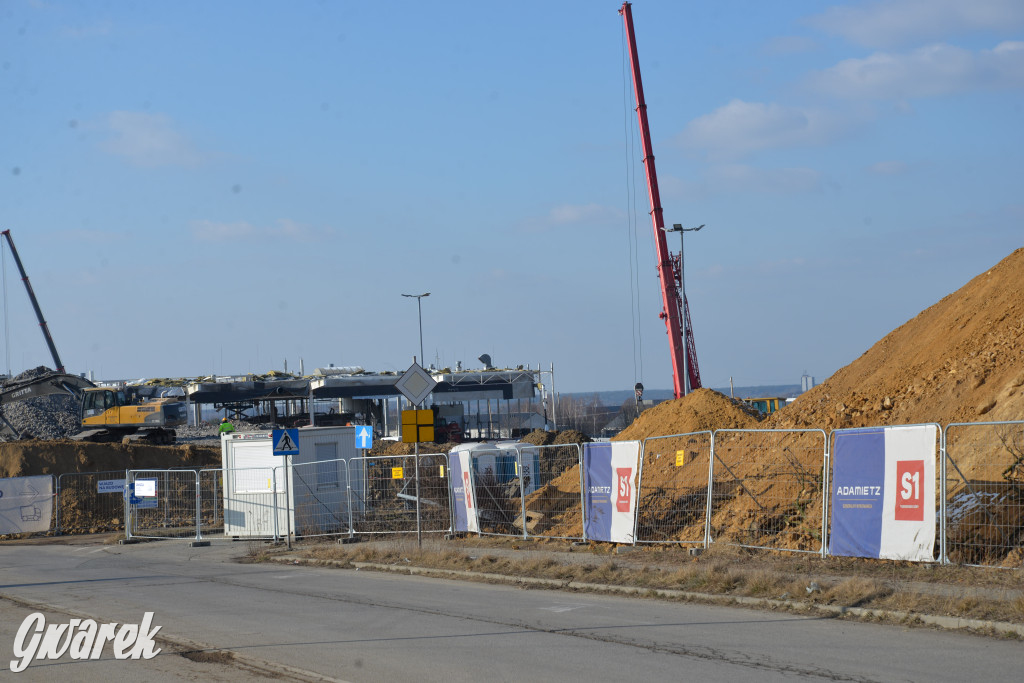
(300, 623)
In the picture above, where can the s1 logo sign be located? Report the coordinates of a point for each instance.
(624, 489)
(910, 490)
(465, 483)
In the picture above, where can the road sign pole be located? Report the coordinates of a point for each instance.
(416, 456)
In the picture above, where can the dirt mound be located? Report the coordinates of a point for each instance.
(33, 457)
(700, 410)
(961, 360)
(539, 437)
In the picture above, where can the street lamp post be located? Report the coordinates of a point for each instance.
(678, 227)
(419, 307)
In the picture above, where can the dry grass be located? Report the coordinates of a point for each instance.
(722, 570)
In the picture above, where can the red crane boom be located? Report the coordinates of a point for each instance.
(685, 375)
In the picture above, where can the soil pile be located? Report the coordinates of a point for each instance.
(33, 457)
(961, 360)
(699, 411)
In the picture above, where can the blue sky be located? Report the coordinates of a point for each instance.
(201, 188)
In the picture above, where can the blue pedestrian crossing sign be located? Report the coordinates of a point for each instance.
(364, 437)
(286, 441)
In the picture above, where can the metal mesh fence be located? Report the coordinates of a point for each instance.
(498, 494)
(163, 503)
(773, 482)
(211, 504)
(384, 493)
(553, 502)
(90, 502)
(672, 498)
(321, 496)
(983, 494)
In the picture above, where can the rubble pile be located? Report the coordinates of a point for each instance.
(47, 417)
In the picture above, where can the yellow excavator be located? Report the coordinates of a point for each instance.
(121, 415)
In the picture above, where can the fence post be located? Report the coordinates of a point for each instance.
(199, 507)
(348, 499)
(639, 484)
(522, 489)
(273, 481)
(943, 444)
(711, 489)
(129, 491)
(826, 489)
(583, 494)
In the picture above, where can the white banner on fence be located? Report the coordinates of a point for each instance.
(26, 504)
(467, 500)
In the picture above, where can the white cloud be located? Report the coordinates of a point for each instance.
(740, 128)
(903, 22)
(925, 72)
(215, 231)
(150, 140)
(888, 168)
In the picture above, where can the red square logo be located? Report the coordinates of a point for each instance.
(911, 489)
(625, 488)
(465, 484)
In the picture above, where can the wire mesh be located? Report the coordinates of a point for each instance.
(211, 501)
(773, 482)
(384, 494)
(171, 510)
(983, 492)
(553, 502)
(320, 494)
(498, 492)
(90, 502)
(672, 497)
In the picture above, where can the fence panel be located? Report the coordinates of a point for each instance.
(672, 498)
(163, 504)
(211, 503)
(384, 494)
(26, 504)
(982, 514)
(321, 495)
(90, 502)
(773, 481)
(498, 494)
(553, 501)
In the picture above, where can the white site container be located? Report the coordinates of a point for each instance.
(316, 483)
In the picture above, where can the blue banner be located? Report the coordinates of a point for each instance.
(858, 478)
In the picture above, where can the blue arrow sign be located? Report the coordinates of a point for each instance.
(286, 441)
(364, 437)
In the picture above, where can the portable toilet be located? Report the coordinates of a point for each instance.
(527, 467)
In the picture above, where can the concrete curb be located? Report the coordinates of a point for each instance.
(950, 623)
